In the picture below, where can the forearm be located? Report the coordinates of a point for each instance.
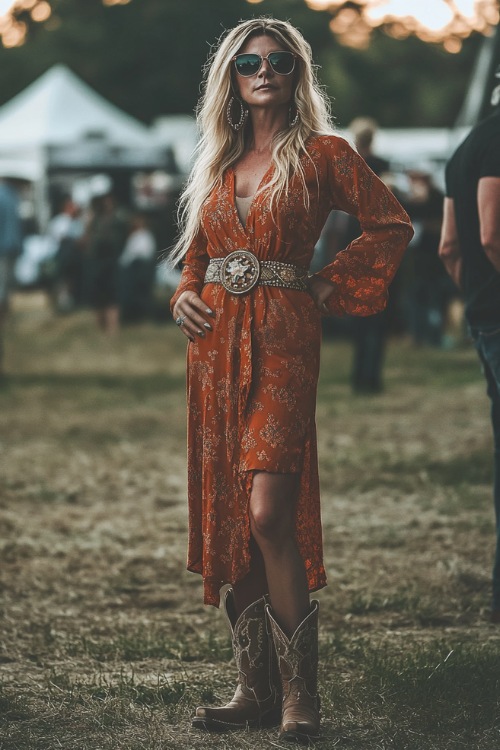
(453, 265)
(488, 199)
(449, 248)
(361, 273)
(191, 281)
(451, 257)
(193, 272)
(492, 251)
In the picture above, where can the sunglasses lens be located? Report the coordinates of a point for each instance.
(282, 62)
(247, 65)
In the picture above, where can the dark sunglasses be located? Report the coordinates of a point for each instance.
(283, 63)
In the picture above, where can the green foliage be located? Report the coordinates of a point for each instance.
(400, 83)
(147, 58)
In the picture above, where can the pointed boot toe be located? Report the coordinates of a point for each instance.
(257, 700)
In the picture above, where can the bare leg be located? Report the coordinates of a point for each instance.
(108, 319)
(258, 694)
(254, 585)
(272, 509)
(3, 316)
(112, 318)
(101, 318)
(276, 568)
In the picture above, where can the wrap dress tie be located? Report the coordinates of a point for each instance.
(251, 382)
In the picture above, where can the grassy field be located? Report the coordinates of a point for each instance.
(105, 644)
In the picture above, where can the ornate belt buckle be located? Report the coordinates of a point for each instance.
(239, 271)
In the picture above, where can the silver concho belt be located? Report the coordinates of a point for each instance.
(240, 271)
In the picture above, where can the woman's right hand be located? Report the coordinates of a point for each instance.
(194, 314)
(320, 289)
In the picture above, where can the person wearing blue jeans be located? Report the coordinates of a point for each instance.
(470, 251)
(487, 341)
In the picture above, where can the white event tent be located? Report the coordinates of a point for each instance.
(60, 123)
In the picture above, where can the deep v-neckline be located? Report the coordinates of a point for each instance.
(244, 226)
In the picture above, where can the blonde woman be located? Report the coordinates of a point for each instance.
(268, 172)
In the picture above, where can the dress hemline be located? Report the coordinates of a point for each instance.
(212, 588)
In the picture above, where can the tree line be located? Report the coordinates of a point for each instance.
(147, 58)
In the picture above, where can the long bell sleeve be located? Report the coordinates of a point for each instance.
(362, 272)
(194, 268)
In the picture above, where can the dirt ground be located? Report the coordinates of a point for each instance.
(104, 641)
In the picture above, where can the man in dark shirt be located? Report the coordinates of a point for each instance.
(470, 250)
(370, 333)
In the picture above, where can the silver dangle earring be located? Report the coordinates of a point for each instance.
(243, 116)
(295, 120)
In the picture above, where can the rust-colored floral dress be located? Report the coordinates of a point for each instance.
(251, 382)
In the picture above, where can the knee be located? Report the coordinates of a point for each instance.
(272, 504)
(264, 523)
(268, 525)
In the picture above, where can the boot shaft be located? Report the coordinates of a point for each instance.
(298, 655)
(253, 649)
(257, 700)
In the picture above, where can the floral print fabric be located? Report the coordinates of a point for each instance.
(251, 382)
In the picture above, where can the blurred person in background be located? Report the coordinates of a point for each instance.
(10, 248)
(432, 289)
(364, 130)
(369, 333)
(137, 272)
(104, 240)
(470, 251)
(269, 171)
(66, 229)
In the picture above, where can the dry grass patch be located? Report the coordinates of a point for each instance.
(104, 641)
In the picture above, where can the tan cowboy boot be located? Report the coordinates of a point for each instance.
(257, 700)
(298, 663)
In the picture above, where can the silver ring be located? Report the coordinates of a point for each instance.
(180, 320)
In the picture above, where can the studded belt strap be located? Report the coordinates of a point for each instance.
(240, 271)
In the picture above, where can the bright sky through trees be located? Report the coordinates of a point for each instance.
(447, 22)
(443, 21)
(5, 5)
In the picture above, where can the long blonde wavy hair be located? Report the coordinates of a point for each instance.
(220, 146)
